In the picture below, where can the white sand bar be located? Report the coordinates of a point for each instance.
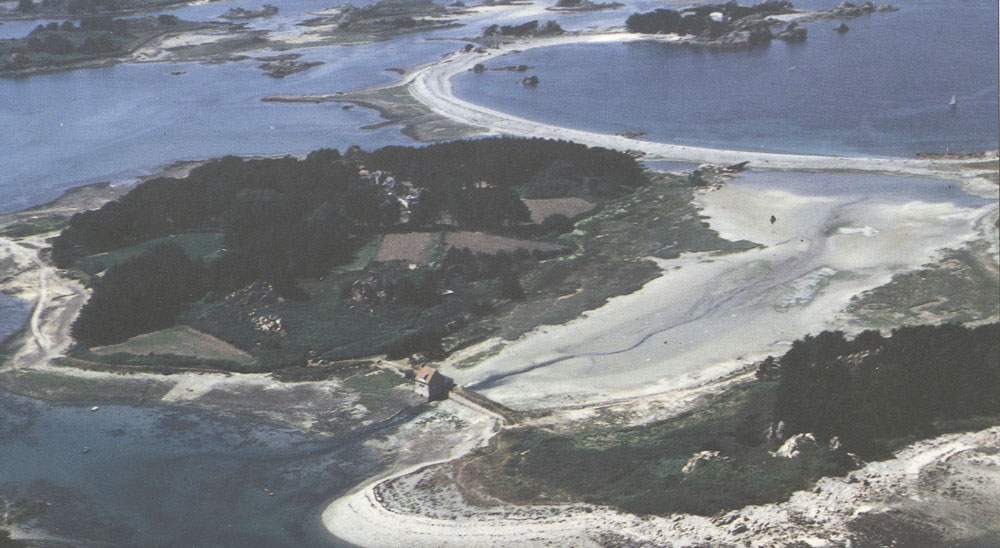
(708, 315)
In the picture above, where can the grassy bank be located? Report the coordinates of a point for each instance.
(642, 470)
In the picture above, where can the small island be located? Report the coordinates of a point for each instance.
(584, 5)
(94, 42)
(732, 27)
(379, 21)
(233, 14)
(49, 9)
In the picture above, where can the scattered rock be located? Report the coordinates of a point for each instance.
(727, 518)
(269, 323)
(530, 81)
(256, 294)
(842, 28)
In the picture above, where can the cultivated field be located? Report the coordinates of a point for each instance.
(412, 246)
(571, 207)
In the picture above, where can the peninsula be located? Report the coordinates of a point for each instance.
(545, 336)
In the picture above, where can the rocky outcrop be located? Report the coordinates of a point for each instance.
(793, 447)
(700, 458)
(584, 5)
(847, 10)
(280, 69)
(372, 292)
(530, 81)
(776, 432)
(793, 33)
(233, 14)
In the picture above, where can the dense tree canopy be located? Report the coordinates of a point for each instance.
(140, 295)
(872, 388)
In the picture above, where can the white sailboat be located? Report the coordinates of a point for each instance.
(954, 101)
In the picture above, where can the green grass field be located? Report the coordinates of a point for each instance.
(179, 341)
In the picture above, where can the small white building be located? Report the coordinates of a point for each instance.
(431, 384)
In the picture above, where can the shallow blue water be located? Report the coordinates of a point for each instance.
(163, 477)
(13, 314)
(155, 477)
(881, 89)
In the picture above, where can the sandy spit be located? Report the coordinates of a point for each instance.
(431, 85)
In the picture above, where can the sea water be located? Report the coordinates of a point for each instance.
(13, 314)
(165, 477)
(881, 89)
(66, 129)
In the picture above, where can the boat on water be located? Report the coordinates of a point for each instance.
(954, 101)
